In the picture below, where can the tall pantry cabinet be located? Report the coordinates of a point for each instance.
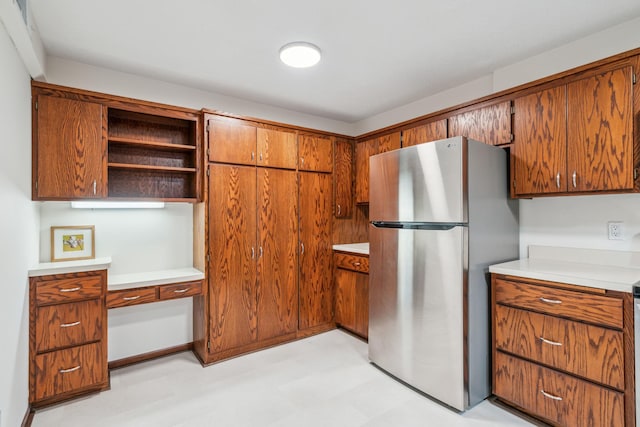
(268, 229)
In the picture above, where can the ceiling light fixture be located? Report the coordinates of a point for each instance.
(300, 54)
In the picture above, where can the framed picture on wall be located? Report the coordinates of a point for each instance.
(72, 242)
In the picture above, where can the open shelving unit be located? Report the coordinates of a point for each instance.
(151, 156)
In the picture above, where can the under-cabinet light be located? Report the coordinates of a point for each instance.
(116, 205)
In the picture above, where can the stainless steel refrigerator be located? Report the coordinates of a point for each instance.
(440, 215)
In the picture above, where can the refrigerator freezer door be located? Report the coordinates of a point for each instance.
(423, 183)
(416, 297)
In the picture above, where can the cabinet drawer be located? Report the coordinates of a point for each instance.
(128, 297)
(352, 262)
(559, 398)
(64, 325)
(589, 351)
(67, 290)
(560, 302)
(67, 370)
(180, 290)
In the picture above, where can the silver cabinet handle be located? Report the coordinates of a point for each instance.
(301, 248)
(558, 179)
(180, 291)
(550, 301)
(302, 161)
(131, 298)
(253, 253)
(261, 156)
(339, 210)
(356, 264)
(65, 371)
(260, 252)
(253, 155)
(573, 178)
(70, 289)
(546, 341)
(550, 396)
(68, 325)
(95, 187)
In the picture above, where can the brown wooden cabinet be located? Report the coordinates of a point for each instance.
(351, 281)
(366, 149)
(90, 145)
(315, 152)
(428, 132)
(490, 124)
(315, 287)
(576, 137)
(563, 353)
(343, 178)
(68, 336)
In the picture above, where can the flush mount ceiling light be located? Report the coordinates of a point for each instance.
(300, 54)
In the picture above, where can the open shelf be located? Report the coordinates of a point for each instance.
(151, 144)
(151, 167)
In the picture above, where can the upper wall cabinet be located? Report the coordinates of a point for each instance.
(576, 137)
(316, 153)
(490, 124)
(343, 178)
(89, 145)
(364, 150)
(432, 131)
(230, 140)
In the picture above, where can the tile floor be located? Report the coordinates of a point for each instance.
(325, 380)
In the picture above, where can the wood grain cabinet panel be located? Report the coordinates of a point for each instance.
(315, 286)
(277, 256)
(600, 132)
(490, 124)
(425, 133)
(351, 283)
(68, 289)
(589, 351)
(179, 290)
(345, 298)
(69, 370)
(69, 149)
(231, 141)
(343, 178)
(315, 152)
(556, 397)
(364, 150)
(277, 149)
(64, 325)
(127, 297)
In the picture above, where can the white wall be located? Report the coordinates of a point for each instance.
(18, 228)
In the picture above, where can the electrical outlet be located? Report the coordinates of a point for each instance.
(616, 230)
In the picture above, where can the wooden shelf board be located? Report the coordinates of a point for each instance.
(150, 168)
(154, 144)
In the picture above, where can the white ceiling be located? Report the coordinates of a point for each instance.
(377, 54)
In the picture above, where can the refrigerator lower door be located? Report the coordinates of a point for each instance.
(417, 304)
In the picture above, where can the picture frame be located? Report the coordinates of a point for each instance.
(72, 242)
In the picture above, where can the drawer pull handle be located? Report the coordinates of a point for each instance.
(66, 371)
(550, 301)
(550, 396)
(131, 298)
(68, 325)
(546, 341)
(77, 288)
(357, 264)
(181, 291)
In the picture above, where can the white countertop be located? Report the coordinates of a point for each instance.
(152, 278)
(63, 267)
(611, 270)
(357, 248)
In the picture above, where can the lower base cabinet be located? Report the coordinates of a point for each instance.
(351, 280)
(563, 353)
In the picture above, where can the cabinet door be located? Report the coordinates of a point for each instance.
(345, 298)
(539, 148)
(315, 290)
(364, 149)
(277, 253)
(426, 133)
(362, 304)
(231, 141)
(343, 178)
(276, 148)
(600, 132)
(232, 240)
(70, 149)
(491, 124)
(388, 143)
(316, 153)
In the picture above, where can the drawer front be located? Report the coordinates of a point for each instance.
(67, 370)
(570, 304)
(589, 351)
(128, 297)
(67, 290)
(64, 325)
(352, 262)
(557, 397)
(180, 290)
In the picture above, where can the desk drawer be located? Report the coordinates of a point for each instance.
(127, 297)
(68, 289)
(180, 290)
(64, 325)
(351, 262)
